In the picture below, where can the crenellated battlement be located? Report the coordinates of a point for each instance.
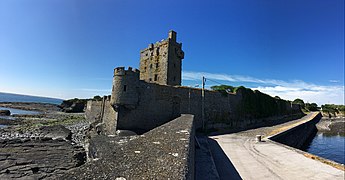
(125, 83)
(161, 63)
(121, 71)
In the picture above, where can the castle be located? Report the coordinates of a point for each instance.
(161, 63)
(144, 99)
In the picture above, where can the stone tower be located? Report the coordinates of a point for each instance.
(125, 84)
(161, 62)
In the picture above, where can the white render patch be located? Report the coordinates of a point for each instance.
(156, 142)
(174, 154)
(182, 131)
(122, 141)
(120, 178)
(137, 152)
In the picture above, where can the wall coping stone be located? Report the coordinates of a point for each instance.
(164, 152)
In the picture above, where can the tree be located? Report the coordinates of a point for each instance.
(224, 89)
(311, 106)
(332, 108)
(97, 98)
(300, 102)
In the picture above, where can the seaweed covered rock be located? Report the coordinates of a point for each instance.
(5, 112)
(73, 105)
(56, 132)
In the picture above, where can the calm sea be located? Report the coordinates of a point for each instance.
(8, 97)
(328, 146)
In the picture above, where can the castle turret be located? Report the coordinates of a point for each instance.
(125, 84)
(161, 62)
(172, 35)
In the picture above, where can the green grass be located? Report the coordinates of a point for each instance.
(33, 124)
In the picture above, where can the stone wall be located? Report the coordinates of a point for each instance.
(101, 112)
(297, 136)
(166, 152)
(159, 104)
(109, 118)
(93, 110)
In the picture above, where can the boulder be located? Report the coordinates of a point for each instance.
(75, 107)
(5, 112)
(56, 132)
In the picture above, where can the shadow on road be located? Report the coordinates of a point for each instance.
(225, 168)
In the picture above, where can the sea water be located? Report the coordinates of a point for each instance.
(8, 97)
(331, 147)
(18, 111)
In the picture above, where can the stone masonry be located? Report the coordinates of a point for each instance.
(145, 99)
(161, 62)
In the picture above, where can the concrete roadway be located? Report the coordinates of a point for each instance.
(239, 156)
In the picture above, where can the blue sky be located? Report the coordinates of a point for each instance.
(68, 48)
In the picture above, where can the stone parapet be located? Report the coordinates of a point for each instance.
(297, 136)
(166, 152)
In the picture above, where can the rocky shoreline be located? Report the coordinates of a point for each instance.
(41, 145)
(37, 159)
(53, 143)
(332, 126)
(28, 125)
(41, 107)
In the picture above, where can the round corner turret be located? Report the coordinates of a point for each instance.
(119, 71)
(125, 87)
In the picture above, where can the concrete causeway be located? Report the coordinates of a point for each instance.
(266, 160)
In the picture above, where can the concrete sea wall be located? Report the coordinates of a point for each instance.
(297, 136)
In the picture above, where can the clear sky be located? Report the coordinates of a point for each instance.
(68, 48)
